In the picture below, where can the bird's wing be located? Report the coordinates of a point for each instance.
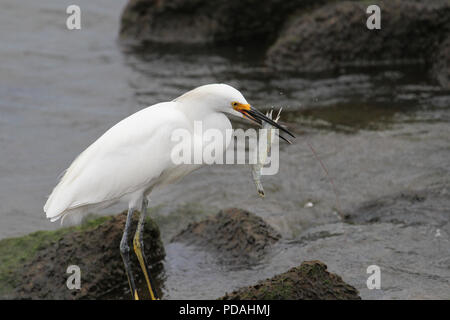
(124, 159)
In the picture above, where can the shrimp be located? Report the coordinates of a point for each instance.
(263, 153)
(262, 157)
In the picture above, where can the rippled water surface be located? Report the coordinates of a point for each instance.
(380, 131)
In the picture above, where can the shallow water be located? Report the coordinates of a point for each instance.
(379, 131)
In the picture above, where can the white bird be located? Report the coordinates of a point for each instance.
(134, 156)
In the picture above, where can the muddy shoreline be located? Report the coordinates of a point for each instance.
(93, 248)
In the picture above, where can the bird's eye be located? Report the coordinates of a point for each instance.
(235, 104)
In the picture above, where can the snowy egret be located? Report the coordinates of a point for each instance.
(134, 156)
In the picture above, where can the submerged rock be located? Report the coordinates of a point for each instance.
(309, 281)
(236, 235)
(423, 207)
(94, 248)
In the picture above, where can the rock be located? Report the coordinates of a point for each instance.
(238, 236)
(305, 36)
(422, 207)
(203, 21)
(335, 36)
(309, 281)
(441, 64)
(95, 249)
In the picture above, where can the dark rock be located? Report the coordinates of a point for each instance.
(408, 207)
(236, 235)
(203, 21)
(96, 252)
(302, 35)
(336, 36)
(309, 281)
(441, 66)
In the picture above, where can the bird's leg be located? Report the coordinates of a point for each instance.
(125, 253)
(138, 243)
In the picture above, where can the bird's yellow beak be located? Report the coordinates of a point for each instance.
(256, 116)
(244, 108)
(241, 107)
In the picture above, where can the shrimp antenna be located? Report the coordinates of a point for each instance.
(330, 179)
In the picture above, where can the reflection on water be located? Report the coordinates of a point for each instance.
(379, 131)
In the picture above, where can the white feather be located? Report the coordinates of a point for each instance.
(133, 157)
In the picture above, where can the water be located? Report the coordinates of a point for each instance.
(379, 131)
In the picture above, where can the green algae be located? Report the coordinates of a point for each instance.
(17, 251)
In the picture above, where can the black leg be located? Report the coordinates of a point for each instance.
(125, 253)
(138, 243)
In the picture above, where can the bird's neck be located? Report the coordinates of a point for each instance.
(195, 111)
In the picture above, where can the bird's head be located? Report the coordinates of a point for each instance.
(226, 99)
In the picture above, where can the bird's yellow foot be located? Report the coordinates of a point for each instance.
(142, 261)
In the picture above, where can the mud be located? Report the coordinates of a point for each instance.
(235, 235)
(407, 207)
(309, 281)
(96, 252)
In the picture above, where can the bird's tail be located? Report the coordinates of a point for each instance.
(58, 201)
(53, 208)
